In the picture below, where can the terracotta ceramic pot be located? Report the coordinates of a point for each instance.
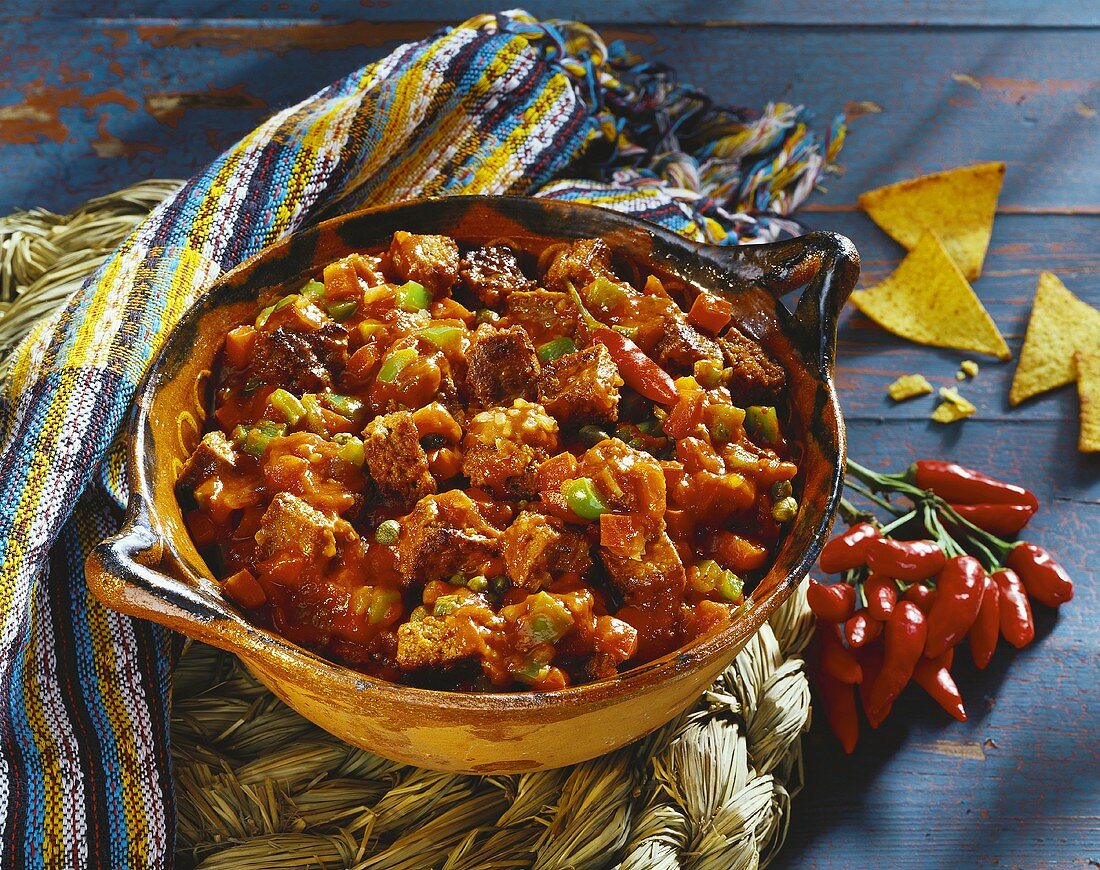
(152, 570)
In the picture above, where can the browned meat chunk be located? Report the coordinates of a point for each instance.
(658, 569)
(536, 546)
(290, 525)
(579, 264)
(681, 346)
(397, 462)
(542, 312)
(301, 362)
(444, 534)
(502, 366)
(492, 273)
(756, 376)
(504, 447)
(441, 641)
(214, 455)
(581, 386)
(428, 260)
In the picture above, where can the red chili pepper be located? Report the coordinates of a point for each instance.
(905, 560)
(1002, 520)
(835, 659)
(1017, 623)
(871, 659)
(835, 602)
(882, 595)
(958, 484)
(839, 700)
(1044, 579)
(934, 676)
(638, 371)
(906, 633)
(861, 629)
(958, 598)
(983, 635)
(847, 550)
(921, 595)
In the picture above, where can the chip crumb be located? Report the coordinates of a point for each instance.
(969, 368)
(960, 376)
(953, 408)
(909, 387)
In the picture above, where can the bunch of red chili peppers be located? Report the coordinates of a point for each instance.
(913, 589)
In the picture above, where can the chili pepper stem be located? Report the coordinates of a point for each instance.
(870, 496)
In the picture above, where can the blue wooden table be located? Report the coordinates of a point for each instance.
(99, 94)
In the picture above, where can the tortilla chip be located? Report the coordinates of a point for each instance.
(953, 408)
(1060, 324)
(909, 387)
(957, 204)
(1088, 389)
(927, 300)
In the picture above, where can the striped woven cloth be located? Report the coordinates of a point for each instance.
(501, 104)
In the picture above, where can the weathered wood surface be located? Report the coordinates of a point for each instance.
(110, 92)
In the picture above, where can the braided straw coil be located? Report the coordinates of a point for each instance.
(258, 786)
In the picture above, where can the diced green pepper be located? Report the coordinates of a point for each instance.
(730, 586)
(413, 296)
(709, 576)
(582, 498)
(651, 427)
(724, 422)
(531, 671)
(592, 435)
(342, 310)
(314, 290)
(388, 532)
(285, 301)
(314, 419)
(261, 318)
(708, 373)
(762, 424)
(368, 329)
(556, 348)
(478, 583)
(548, 619)
(287, 404)
(446, 604)
(395, 363)
(258, 437)
(419, 613)
(738, 458)
(351, 451)
(381, 603)
(444, 337)
(605, 294)
(348, 406)
(630, 332)
(785, 509)
(781, 489)
(486, 315)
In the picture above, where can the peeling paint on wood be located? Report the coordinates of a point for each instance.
(168, 106)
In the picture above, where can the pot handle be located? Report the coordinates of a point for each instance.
(130, 573)
(827, 264)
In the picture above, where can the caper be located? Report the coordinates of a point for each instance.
(784, 509)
